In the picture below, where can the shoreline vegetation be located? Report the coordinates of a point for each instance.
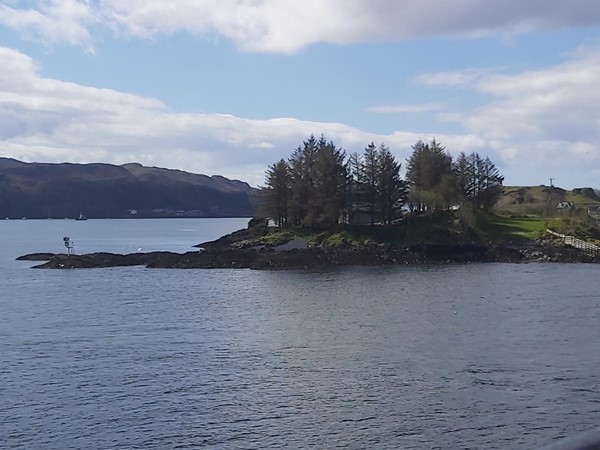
(418, 239)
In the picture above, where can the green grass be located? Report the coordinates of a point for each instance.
(278, 237)
(495, 227)
(339, 238)
(273, 237)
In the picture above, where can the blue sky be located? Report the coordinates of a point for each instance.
(228, 87)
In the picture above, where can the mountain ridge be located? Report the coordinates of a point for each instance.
(100, 190)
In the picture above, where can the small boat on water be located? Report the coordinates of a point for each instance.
(81, 217)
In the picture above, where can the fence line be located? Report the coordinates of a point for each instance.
(577, 243)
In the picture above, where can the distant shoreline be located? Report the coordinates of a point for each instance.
(127, 218)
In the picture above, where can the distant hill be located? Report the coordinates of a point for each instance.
(41, 190)
(536, 199)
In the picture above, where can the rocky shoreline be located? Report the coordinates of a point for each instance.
(286, 257)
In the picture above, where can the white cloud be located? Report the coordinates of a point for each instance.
(49, 120)
(414, 108)
(557, 103)
(538, 123)
(542, 120)
(287, 26)
(456, 78)
(53, 21)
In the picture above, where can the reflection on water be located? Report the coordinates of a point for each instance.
(473, 356)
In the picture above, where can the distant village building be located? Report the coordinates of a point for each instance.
(565, 206)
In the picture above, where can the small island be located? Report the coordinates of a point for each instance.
(322, 209)
(416, 240)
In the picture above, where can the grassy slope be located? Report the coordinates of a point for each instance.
(503, 228)
(523, 210)
(583, 198)
(535, 200)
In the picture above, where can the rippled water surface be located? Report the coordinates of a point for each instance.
(494, 356)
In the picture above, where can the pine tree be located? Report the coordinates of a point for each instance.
(277, 193)
(391, 190)
(369, 181)
(478, 180)
(491, 182)
(317, 187)
(354, 187)
(301, 165)
(428, 165)
(464, 174)
(330, 177)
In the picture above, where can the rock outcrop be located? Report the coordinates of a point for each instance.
(274, 258)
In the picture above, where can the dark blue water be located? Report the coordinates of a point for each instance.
(495, 356)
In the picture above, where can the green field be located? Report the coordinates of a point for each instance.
(501, 228)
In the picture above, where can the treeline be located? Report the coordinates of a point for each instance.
(438, 182)
(319, 186)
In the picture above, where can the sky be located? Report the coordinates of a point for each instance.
(229, 87)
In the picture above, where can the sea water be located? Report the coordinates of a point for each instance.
(495, 356)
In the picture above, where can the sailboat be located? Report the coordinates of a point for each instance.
(81, 216)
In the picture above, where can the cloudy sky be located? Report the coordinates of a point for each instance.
(230, 86)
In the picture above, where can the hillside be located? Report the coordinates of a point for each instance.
(538, 200)
(40, 190)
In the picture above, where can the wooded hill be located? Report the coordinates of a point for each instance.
(41, 190)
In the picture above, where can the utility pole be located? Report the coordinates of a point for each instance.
(550, 203)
